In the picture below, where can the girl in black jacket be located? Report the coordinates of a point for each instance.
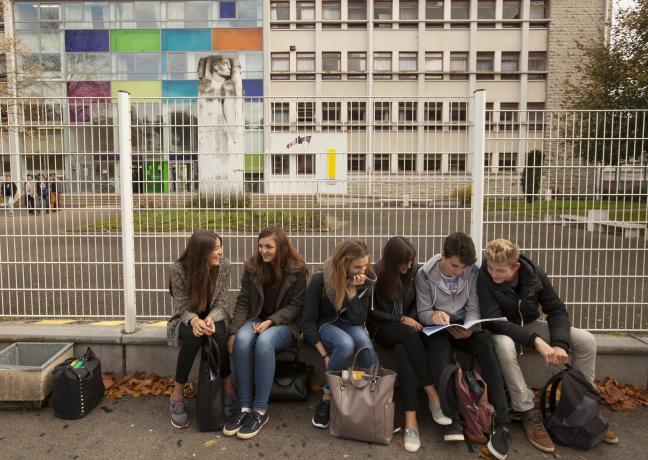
(337, 302)
(393, 323)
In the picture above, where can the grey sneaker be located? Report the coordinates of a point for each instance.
(179, 416)
(437, 414)
(412, 441)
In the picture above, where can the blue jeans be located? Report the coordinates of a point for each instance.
(254, 362)
(341, 339)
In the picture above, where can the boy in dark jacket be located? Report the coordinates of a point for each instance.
(511, 285)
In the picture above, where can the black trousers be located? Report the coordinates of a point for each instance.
(29, 201)
(412, 359)
(478, 345)
(190, 345)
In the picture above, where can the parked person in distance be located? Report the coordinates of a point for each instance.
(446, 293)
(29, 190)
(56, 192)
(393, 323)
(265, 321)
(10, 190)
(199, 285)
(42, 188)
(510, 284)
(335, 311)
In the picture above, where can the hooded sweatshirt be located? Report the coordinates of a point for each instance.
(433, 295)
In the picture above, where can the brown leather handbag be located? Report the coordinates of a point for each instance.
(362, 406)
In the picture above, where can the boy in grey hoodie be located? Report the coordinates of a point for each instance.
(446, 293)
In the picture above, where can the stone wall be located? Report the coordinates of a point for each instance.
(572, 22)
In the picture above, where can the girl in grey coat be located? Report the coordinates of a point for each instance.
(198, 284)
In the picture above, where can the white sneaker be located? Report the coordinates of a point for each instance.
(437, 414)
(412, 441)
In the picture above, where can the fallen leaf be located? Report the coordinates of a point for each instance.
(210, 443)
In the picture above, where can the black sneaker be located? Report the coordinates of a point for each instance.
(499, 442)
(322, 414)
(235, 423)
(454, 431)
(252, 425)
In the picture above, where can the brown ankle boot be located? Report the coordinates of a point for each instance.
(536, 432)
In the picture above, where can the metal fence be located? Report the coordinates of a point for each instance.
(568, 187)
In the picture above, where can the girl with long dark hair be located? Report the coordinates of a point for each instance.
(393, 323)
(265, 321)
(198, 285)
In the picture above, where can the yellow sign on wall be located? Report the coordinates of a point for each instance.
(331, 163)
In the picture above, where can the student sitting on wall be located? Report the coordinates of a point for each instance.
(198, 284)
(337, 302)
(446, 293)
(393, 323)
(265, 321)
(510, 284)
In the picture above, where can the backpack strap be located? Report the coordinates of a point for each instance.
(552, 387)
(444, 382)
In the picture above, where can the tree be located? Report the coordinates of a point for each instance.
(613, 76)
(532, 175)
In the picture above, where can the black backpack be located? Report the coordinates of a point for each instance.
(575, 418)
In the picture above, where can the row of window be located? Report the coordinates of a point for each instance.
(139, 14)
(407, 10)
(403, 114)
(405, 162)
(457, 64)
(130, 66)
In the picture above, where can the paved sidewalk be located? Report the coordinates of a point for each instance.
(140, 428)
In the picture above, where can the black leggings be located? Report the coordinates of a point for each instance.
(412, 361)
(479, 345)
(189, 346)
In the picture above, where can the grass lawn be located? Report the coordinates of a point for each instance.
(628, 211)
(243, 221)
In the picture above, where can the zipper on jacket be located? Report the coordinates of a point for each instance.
(521, 323)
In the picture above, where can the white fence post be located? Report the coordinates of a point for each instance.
(127, 227)
(478, 144)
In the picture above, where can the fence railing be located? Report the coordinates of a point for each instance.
(570, 187)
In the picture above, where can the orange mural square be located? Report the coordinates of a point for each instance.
(238, 39)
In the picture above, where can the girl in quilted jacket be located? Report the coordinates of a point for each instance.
(198, 285)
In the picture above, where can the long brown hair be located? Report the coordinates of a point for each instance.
(273, 272)
(392, 284)
(200, 278)
(343, 254)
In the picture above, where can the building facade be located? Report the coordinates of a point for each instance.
(377, 86)
(409, 67)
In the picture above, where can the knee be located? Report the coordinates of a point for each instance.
(583, 341)
(265, 344)
(504, 347)
(244, 338)
(344, 345)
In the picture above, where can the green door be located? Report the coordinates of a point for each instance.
(157, 177)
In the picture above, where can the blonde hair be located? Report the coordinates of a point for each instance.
(502, 250)
(343, 254)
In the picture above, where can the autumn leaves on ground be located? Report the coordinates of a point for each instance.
(618, 397)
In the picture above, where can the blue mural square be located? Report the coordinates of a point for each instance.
(228, 10)
(179, 88)
(186, 40)
(253, 88)
(87, 40)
